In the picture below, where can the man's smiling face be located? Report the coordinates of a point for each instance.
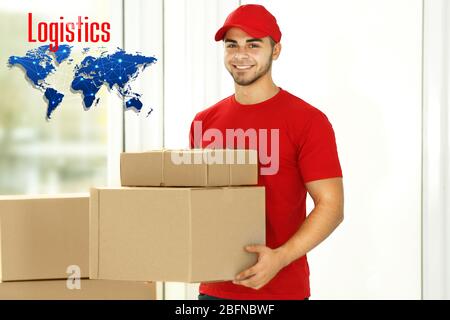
(248, 59)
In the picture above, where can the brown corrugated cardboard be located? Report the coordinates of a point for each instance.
(41, 236)
(194, 167)
(192, 173)
(174, 234)
(142, 168)
(88, 290)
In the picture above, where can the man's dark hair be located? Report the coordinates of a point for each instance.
(272, 42)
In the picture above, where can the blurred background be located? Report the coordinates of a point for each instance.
(379, 69)
(69, 152)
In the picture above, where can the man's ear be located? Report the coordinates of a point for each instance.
(276, 51)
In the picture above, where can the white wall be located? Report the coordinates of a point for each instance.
(194, 76)
(144, 33)
(359, 61)
(436, 191)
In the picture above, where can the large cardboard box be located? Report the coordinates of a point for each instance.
(174, 234)
(87, 290)
(42, 236)
(194, 167)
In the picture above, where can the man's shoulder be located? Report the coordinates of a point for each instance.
(201, 115)
(300, 107)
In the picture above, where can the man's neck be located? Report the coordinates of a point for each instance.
(256, 92)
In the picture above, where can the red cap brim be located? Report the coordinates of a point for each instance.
(252, 32)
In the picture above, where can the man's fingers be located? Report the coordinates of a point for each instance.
(256, 248)
(245, 274)
(254, 282)
(249, 272)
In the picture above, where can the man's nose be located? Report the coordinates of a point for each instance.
(241, 53)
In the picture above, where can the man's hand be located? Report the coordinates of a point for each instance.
(328, 213)
(270, 262)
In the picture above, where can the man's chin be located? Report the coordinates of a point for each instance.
(243, 82)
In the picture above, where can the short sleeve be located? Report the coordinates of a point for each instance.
(318, 157)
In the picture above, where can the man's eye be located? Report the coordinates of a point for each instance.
(254, 45)
(231, 45)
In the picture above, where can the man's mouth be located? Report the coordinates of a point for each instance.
(242, 67)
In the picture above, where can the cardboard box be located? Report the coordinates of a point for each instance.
(88, 290)
(195, 167)
(174, 234)
(41, 236)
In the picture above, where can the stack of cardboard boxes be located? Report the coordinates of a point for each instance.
(44, 252)
(180, 215)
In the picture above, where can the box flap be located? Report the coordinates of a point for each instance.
(184, 168)
(141, 168)
(244, 168)
(218, 169)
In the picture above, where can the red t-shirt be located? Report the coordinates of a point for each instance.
(306, 152)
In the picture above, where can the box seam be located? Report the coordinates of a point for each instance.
(98, 233)
(207, 169)
(121, 170)
(229, 174)
(190, 251)
(163, 159)
(94, 234)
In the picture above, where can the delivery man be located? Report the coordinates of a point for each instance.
(303, 158)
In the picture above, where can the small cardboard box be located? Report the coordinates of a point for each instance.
(41, 236)
(87, 290)
(194, 167)
(174, 234)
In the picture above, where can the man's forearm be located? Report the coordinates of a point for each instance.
(318, 225)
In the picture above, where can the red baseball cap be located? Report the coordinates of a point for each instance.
(254, 19)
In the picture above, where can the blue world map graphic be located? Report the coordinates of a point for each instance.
(115, 70)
